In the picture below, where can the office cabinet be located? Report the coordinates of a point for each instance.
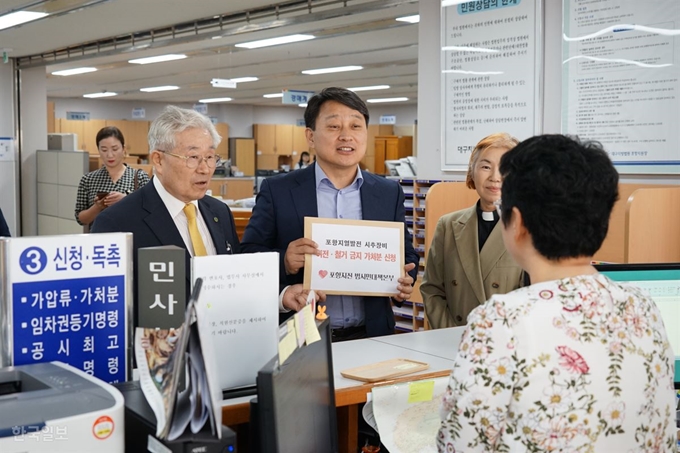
(265, 138)
(223, 148)
(242, 154)
(267, 162)
(135, 132)
(232, 188)
(391, 147)
(374, 130)
(85, 130)
(284, 139)
(90, 130)
(51, 119)
(275, 140)
(299, 141)
(136, 136)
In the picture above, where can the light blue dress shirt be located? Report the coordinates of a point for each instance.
(344, 311)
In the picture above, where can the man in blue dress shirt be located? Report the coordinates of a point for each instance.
(333, 187)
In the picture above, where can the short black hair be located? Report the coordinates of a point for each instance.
(110, 131)
(341, 95)
(565, 190)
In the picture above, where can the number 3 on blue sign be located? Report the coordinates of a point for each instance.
(33, 260)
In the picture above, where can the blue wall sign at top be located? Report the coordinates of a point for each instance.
(296, 96)
(69, 302)
(479, 6)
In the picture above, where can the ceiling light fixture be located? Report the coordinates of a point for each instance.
(275, 41)
(410, 19)
(273, 95)
(207, 101)
(377, 101)
(446, 3)
(244, 79)
(370, 88)
(160, 88)
(158, 58)
(105, 94)
(332, 70)
(74, 71)
(18, 18)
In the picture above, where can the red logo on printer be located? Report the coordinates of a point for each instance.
(103, 427)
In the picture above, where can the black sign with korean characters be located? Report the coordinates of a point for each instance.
(161, 289)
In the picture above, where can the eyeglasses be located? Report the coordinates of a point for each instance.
(193, 162)
(497, 204)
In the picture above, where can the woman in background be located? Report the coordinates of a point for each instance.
(108, 185)
(575, 362)
(304, 161)
(467, 262)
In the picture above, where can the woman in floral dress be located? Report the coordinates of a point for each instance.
(575, 362)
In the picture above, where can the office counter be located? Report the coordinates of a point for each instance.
(436, 347)
(241, 219)
(439, 342)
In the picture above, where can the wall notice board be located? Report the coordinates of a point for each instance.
(621, 80)
(491, 74)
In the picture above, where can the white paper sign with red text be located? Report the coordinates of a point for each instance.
(357, 257)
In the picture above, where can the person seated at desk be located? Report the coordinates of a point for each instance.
(575, 362)
(333, 187)
(174, 209)
(467, 262)
(108, 185)
(304, 161)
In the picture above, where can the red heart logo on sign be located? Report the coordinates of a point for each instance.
(323, 273)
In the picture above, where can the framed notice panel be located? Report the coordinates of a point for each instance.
(621, 80)
(490, 73)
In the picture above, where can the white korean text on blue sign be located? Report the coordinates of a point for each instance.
(68, 302)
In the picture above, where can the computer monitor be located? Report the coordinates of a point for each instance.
(662, 282)
(295, 406)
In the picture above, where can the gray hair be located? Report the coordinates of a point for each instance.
(174, 120)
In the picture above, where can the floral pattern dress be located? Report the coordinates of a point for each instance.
(575, 365)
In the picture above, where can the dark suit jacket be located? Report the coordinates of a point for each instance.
(143, 214)
(4, 229)
(278, 219)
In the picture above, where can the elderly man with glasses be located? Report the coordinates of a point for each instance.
(173, 208)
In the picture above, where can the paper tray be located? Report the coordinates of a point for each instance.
(382, 371)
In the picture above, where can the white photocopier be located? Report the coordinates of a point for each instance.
(55, 408)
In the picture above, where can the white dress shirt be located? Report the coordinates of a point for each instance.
(176, 209)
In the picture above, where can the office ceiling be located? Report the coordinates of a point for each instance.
(349, 32)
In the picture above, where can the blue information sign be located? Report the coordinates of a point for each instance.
(79, 322)
(68, 300)
(296, 96)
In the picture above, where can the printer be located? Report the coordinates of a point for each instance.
(55, 408)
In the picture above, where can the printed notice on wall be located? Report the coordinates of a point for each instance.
(490, 74)
(621, 80)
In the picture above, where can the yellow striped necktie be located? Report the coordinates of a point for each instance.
(196, 239)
